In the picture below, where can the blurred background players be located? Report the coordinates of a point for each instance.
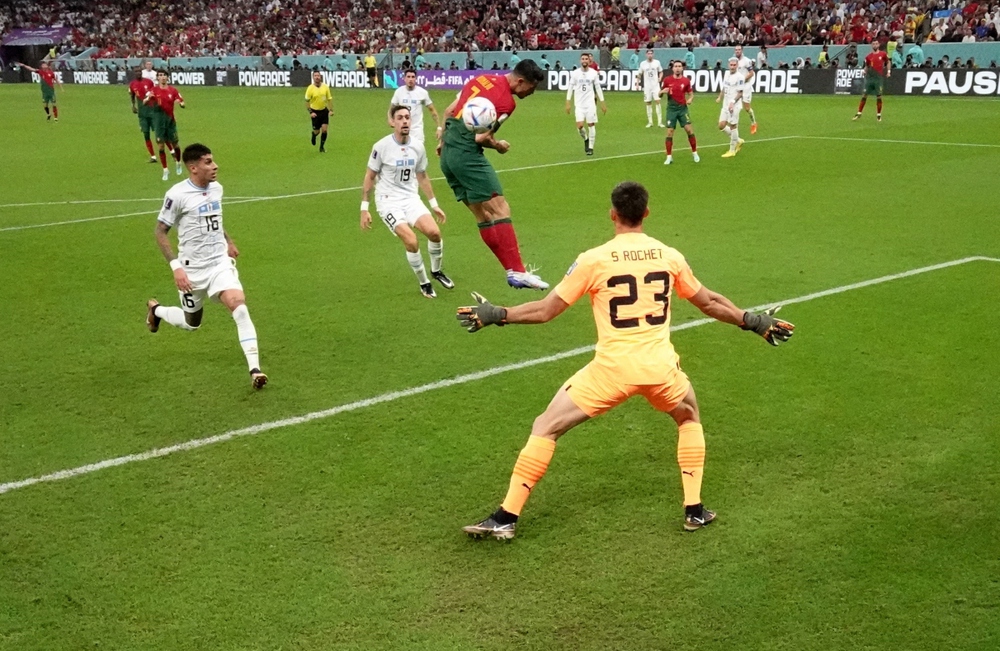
(138, 88)
(319, 104)
(745, 66)
(473, 179)
(396, 167)
(162, 98)
(205, 264)
(680, 94)
(415, 98)
(48, 80)
(731, 96)
(877, 70)
(629, 281)
(583, 85)
(650, 75)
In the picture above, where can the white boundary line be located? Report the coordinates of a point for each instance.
(76, 202)
(902, 142)
(253, 430)
(239, 200)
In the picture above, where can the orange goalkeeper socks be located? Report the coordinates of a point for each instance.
(528, 471)
(691, 458)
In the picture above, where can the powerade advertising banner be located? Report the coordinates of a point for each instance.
(710, 81)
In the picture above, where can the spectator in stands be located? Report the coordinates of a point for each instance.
(762, 58)
(917, 53)
(633, 61)
(689, 61)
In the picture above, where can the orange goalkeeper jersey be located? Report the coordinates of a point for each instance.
(629, 281)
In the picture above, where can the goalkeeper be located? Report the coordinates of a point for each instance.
(629, 281)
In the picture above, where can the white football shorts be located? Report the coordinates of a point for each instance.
(209, 282)
(586, 114)
(395, 212)
(651, 95)
(730, 117)
(748, 92)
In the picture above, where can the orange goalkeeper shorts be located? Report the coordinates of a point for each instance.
(595, 390)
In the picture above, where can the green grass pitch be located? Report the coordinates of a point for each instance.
(854, 470)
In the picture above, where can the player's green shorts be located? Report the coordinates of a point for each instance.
(873, 85)
(677, 116)
(48, 94)
(166, 128)
(146, 120)
(470, 175)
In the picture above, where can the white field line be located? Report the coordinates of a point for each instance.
(903, 142)
(433, 386)
(78, 202)
(239, 200)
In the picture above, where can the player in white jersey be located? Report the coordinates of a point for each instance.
(148, 72)
(650, 75)
(746, 68)
(415, 98)
(731, 94)
(205, 264)
(583, 85)
(397, 167)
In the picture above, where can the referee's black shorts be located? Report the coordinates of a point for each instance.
(322, 117)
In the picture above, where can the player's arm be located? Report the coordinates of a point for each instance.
(483, 313)
(600, 96)
(689, 95)
(329, 101)
(569, 94)
(25, 65)
(232, 251)
(437, 119)
(366, 188)
(180, 99)
(489, 142)
(424, 182)
(720, 308)
(132, 98)
(163, 241)
(450, 111)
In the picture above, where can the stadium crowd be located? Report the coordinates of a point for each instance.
(119, 28)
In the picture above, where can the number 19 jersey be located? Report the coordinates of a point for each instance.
(196, 213)
(629, 281)
(396, 166)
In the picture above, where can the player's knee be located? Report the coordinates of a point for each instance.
(193, 320)
(433, 235)
(545, 427)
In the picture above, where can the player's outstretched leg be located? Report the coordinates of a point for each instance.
(175, 316)
(559, 417)
(235, 301)
(435, 248)
(734, 138)
(753, 118)
(583, 135)
(55, 112)
(322, 139)
(497, 231)
(693, 142)
(48, 114)
(149, 148)
(414, 259)
(691, 459)
(861, 107)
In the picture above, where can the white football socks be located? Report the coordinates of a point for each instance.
(436, 251)
(248, 336)
(649, 114)
(753, 118)
(592, 132)
(734, 138)
(174, 316)
(417, 264)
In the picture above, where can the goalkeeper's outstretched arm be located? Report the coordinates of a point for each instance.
(774, 331)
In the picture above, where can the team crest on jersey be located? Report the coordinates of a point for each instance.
(210, 206)
(168, 204)
(374, 154)
(571, 268)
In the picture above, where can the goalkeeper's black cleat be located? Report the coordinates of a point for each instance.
(427, 290)
(697, 517)
(490, 528)
(445, 281)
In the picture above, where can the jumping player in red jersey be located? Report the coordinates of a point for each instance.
(137, 91)
(877, 69)
(162, 97)
(49, 80)
(471, 176)
(680, 94)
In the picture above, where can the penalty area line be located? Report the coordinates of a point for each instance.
(392, 396)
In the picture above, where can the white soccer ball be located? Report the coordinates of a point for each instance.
(479, 114)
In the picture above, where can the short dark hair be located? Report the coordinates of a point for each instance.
(163, 71)
(528, 70)
(395, 108)
(410, 71)
(194, 152)
(630, 200)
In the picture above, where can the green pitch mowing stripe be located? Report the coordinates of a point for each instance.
(442, 384)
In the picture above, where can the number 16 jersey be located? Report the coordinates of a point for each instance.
(396, 166)
(629, 280)
(196, 213)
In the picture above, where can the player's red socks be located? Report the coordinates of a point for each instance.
(878, 104)
(693, 143)
(861, 106)
(500, 237)
(55, 112)
(149, 147)
(163, 159)
(670, 145)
